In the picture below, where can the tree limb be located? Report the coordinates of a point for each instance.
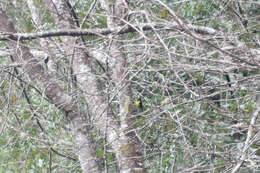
(100, 32)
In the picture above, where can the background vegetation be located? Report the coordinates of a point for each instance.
(195, 67)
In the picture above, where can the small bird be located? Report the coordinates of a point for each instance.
(139, 103)
(46, 60)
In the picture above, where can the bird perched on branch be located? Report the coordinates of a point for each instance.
(139, 104)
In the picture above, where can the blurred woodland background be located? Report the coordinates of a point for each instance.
(71, 72)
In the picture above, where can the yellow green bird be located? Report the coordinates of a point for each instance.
(139, 103)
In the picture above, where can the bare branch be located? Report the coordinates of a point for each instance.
(100, 32)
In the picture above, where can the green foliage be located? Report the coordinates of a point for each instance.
(110, 158)
(102, 21)
(176, 78)
(215, 55)
(198, 9)
(47, 19)
(99, 153)
(220, 165)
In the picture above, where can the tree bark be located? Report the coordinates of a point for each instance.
(56, 96)
(129, 155)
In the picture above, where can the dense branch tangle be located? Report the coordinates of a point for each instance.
(196, 84)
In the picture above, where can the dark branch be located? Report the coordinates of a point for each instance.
(98, 32)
